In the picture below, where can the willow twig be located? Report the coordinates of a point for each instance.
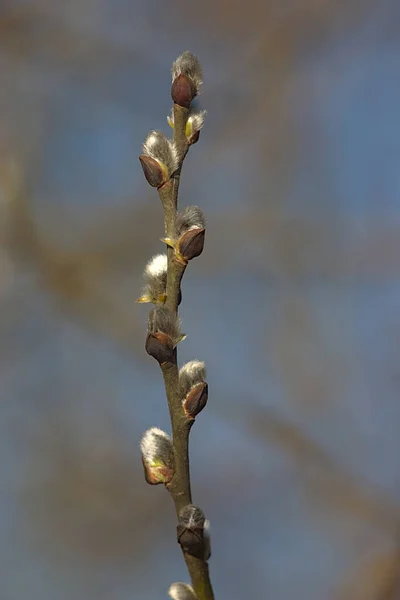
(165, 459)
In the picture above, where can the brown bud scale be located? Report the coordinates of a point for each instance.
(183, 90)
(191, 243)
(196, 400)
(191, 541)
(153, 171)
(194, 138)
(160, 346)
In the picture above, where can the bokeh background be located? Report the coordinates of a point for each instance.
(294, 304)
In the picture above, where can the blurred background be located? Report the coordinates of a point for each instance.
(294, 304)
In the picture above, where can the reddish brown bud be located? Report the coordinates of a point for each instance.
(163, 334)
(160, 346)
(191, 541)
(194, 138)
(153, 171)
(183, 90)
(190, 531)
(196, 400)
(191, 243)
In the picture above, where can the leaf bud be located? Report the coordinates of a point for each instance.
(163, 334)
(157, 456)
(190, 532)
(190, 228)
(196, 400)
(183, 91)
(187, 77)
(194, 123)
(193, 388)
(159, 158)
(191, 244)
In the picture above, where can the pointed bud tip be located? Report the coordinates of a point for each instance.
(144, 299)
(188, 64)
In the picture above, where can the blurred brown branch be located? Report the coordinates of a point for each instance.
(328, 483)
(375, 579)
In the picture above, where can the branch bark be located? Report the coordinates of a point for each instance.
(166, 459)
(179, 487)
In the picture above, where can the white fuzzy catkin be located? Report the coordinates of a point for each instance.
(156, 267)
(155, 276)
(162, 149)
(192, 517)
(191, 217)
(188, 64)
(181, 591)
(156, 444)
(161, 319)
(195, 122)
(190, 374)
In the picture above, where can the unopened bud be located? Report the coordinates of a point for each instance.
(159, 159)
(194, 123)
(190, 228)
(154, 172)
(163, 334)
(155, 276)
(187, 78)
(190, 234)
(196, 400)
(193, 388)
(183, 91)
(157, 456)
(160, 347)
(190, 532)
(181, 591)
(191, 244)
